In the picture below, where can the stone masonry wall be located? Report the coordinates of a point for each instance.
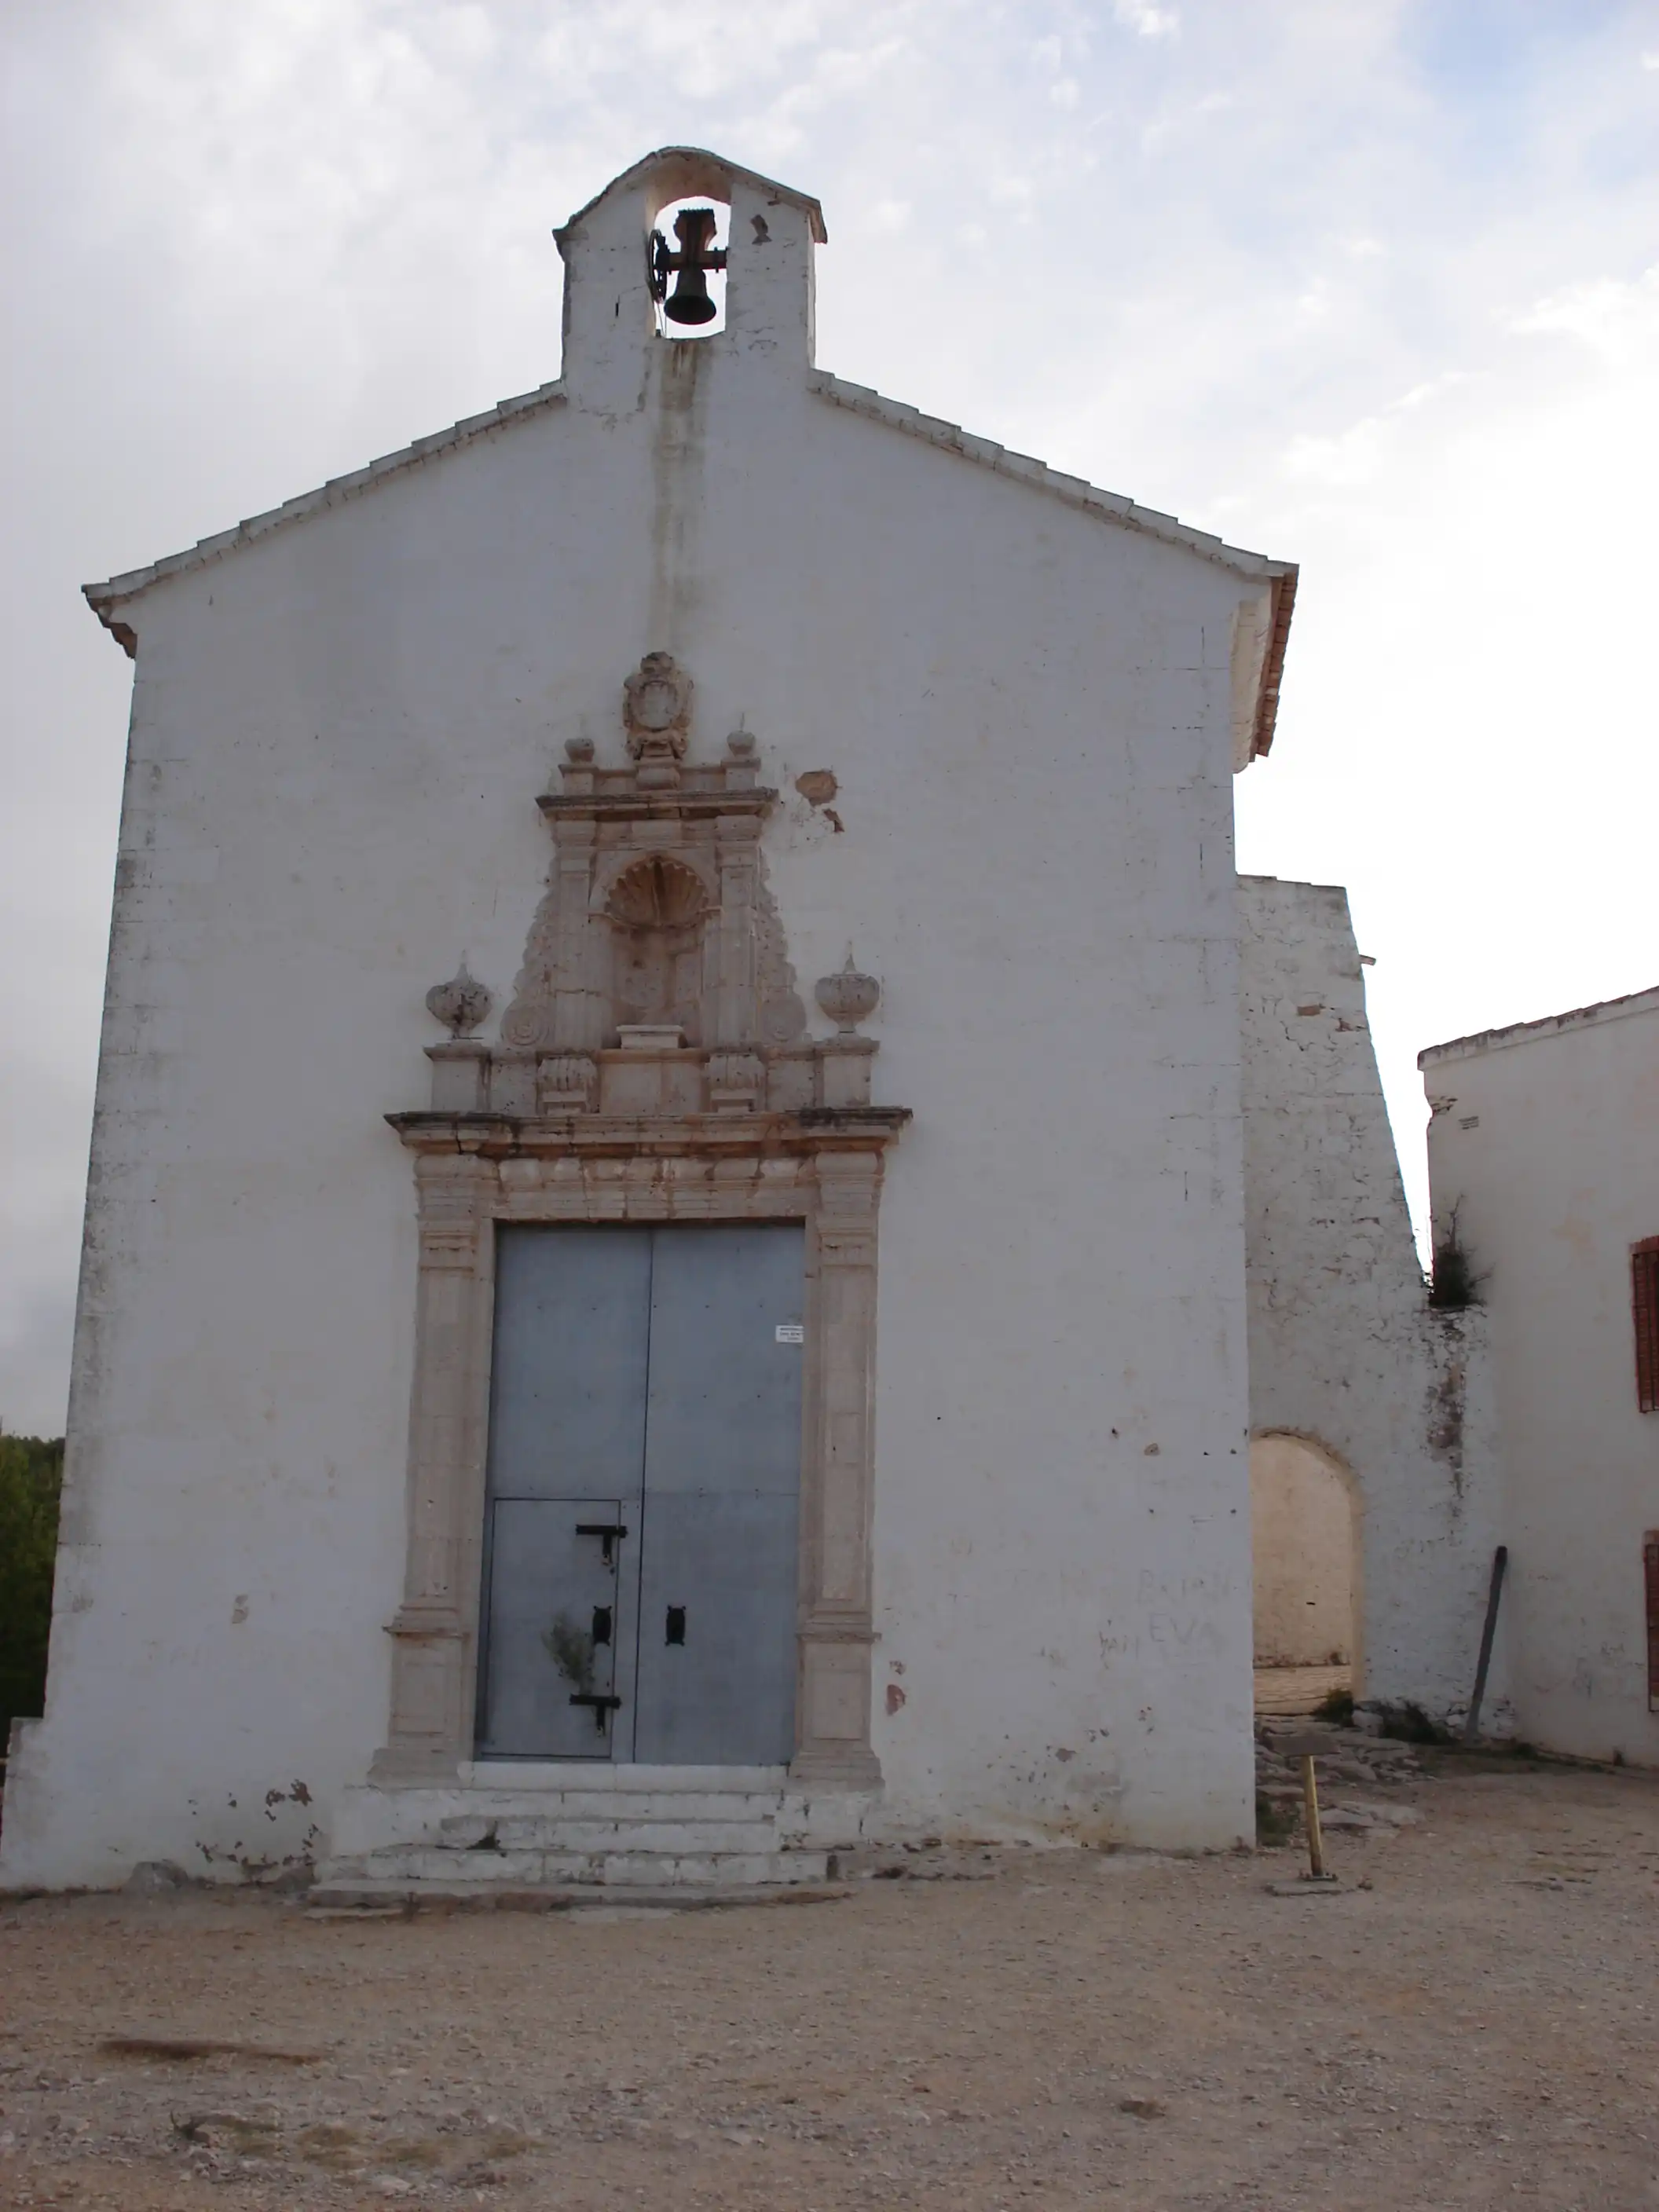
(1345, 1350)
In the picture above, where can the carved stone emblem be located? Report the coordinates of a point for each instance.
(460, 1004)
(657, 709)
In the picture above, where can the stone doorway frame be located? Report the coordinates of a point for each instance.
(820, 1166)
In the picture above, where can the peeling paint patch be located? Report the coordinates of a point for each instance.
(817, 787)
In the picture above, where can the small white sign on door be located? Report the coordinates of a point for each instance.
(790, 1331)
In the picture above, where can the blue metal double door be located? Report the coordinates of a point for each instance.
(643, 1495)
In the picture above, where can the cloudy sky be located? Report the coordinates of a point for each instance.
(1373, 284)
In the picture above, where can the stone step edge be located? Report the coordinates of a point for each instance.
(413, 1867)
(518, 1824)
(406, 1899)
(592, 1834)
(617, 1804)
(535, 1775)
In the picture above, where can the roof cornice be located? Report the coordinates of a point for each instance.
(1278, 577)
(1075, 491)
(1552, 1025)
(107, 599)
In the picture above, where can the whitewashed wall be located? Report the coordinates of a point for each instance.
(1345, 1349)
(1546, 1137)
(338, 732)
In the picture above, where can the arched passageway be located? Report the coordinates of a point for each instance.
(1304, 1553)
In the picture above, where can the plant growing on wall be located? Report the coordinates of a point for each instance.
(31, 1478)
(1453, 1282)
(571, 1650)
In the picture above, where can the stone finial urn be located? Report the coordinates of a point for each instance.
(460, 1004)
(849, 998)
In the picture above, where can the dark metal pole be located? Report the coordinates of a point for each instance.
(1500, 1559)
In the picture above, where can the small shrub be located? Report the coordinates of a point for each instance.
(1409, 1723)
(1275, 1824)
(1453, 1282)
(30, 1479)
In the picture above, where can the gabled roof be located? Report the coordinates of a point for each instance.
(1578, 1018)
(1276, 578)
(106, 599)
(715, 170)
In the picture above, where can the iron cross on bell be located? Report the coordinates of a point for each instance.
(689, 302)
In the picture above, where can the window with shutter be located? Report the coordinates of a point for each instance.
(1644, 1307)
(1650, 1578)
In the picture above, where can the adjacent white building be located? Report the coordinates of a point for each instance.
(776, 1371)
(1544, 1161)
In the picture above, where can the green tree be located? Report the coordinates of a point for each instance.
(30, 1479)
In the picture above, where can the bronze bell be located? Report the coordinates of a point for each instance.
(689, 302)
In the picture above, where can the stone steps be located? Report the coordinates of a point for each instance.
(507, 1830)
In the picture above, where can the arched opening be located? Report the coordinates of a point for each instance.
(1305, 1555)
(657, 909)
(688, 260)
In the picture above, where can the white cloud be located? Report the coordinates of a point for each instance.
(1620, 321)
(1146, 19)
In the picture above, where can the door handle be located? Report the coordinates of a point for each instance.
(608, 1532)
(674, 1628)
(602, 1706)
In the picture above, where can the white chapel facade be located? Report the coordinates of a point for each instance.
(667, 1202)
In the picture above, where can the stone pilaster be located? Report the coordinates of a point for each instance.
(434, 1634)
(833, 1706)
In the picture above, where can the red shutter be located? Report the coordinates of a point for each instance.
(1651, 1576)
(1644, 1308)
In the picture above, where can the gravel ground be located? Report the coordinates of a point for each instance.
(1469, 2022)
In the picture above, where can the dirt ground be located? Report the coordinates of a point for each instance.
(1469, 2022)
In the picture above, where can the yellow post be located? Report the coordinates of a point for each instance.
(1310, 1815)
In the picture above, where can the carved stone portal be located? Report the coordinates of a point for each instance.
(658, 914)
(653, 1065)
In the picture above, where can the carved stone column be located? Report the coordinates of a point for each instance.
(434, 1631)
(835, 1618)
